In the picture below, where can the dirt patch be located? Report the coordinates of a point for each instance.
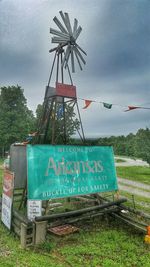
(134, 188)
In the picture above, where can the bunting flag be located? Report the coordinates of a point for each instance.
(107, 105)
(87, 103)
(131, 108)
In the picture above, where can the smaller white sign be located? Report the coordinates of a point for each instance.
(7, 198)
(6, 210)
(34, 209)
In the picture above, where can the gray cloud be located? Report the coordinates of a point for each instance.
(122, 42)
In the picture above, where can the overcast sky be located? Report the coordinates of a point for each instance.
(116, 37)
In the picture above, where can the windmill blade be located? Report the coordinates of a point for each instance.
(77, 59)
(53, 49)
(77, 33)
(63, 18)
(72, 60)
(81, 50)
(75, 26)
(68, 23)
(56, 48)
(58, 23)
(65, 37)
(66, 55)
(58, 33)
(79, 54)
(58, 40)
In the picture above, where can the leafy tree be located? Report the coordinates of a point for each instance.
(130, 145)
(142, 144)
(16, 120)
(137, 145)
(72, 123)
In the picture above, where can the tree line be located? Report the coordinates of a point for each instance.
(17, 121)
(133, 145)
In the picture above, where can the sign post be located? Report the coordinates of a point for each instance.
(7, 198)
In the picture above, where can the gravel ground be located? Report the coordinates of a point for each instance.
(135, 188)
(131, 162)
(133, 183)
(134, 191)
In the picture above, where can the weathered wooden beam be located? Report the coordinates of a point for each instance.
(88, 216)
(135, 211)
(23, 236)
(78, 212)
(131, 223)
(21, 217)
(16, 222)
(16, 229)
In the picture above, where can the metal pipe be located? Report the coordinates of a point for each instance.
(138, 212)
(54, 122)
(51, 70)
(64, 118)
(62, 73)
(96, 214)
(80, 122)
(57, 72)
(48, 120)
(78, 212)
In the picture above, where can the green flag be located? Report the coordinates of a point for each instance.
(106, 105)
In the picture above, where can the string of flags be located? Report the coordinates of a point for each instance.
(87, 103)
(109, 105)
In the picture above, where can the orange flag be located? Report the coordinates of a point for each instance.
(131, 108)
(87, 103)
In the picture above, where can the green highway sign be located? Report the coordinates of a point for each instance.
(64, 171)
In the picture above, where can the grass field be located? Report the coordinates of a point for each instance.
(1, 173)
(138, 174)
(135, 173)
(99, 243)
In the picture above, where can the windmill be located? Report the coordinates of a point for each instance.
(62, 97)
(66, 38)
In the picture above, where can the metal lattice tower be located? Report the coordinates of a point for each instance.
(61, 101)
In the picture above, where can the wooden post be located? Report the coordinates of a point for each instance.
(23, 236)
